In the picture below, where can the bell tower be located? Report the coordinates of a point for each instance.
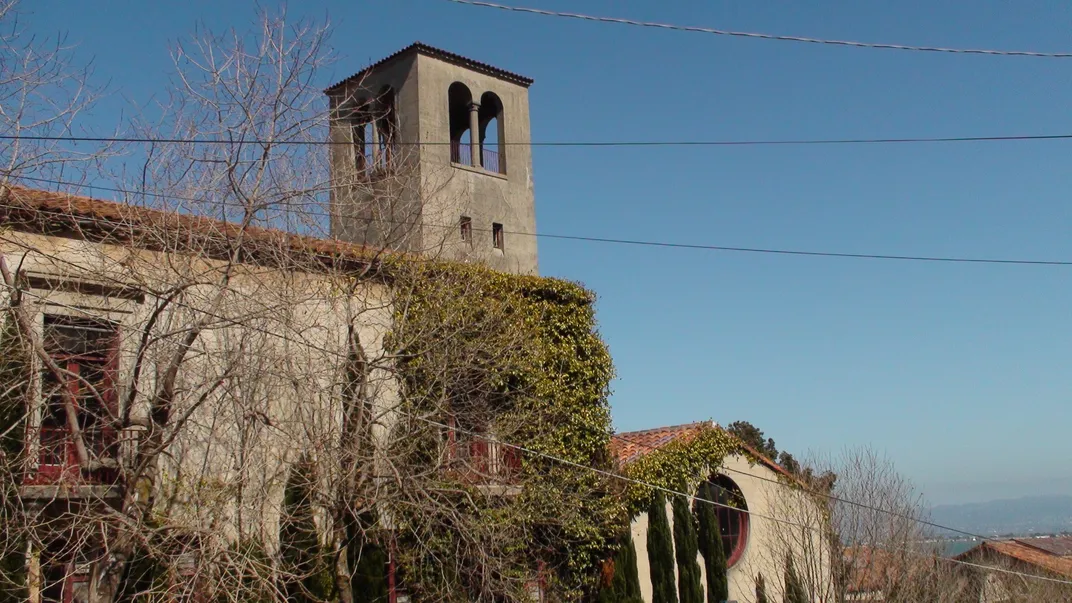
(430, 154)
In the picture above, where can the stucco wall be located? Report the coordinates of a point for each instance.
(259, 385)
(768, 539)
(485, 197)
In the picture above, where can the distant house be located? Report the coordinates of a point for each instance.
(1048, 557)
(761, 520)
(868, 570)
(876, 574)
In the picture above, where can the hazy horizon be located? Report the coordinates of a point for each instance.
(967, 492)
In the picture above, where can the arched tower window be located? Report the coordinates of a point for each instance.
(362, 134)
(493, 156)
(387, 124)
(462, 118)
(732, 522)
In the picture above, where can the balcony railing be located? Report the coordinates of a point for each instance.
(484, 460)
(491, 161)
(462, 153)
(109, 451)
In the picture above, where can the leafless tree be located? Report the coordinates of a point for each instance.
(232, 341)
(43, 92)
(865, 536)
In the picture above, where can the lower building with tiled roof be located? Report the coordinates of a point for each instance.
(756, 501)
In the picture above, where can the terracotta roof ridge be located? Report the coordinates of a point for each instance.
(62, 203)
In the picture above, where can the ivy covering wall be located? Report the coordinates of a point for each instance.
(523, 350)
(679, 465)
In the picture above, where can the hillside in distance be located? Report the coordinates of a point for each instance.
(1019, 516)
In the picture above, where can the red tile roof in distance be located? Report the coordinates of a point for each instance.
(1060, 546)
(442, 55)
(870, 570)
(1017, 550)
(632, 445)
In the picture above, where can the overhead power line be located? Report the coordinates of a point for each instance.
(764, 36)
(528, 451)
(645, 243)
(564, 143)
(822, 494)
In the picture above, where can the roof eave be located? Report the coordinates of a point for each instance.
(437, 53)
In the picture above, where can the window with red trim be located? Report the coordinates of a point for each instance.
(86, 351)
(732, 522)
(474, 452)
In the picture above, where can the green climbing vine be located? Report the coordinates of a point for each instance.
(679, 465)
(524, 352)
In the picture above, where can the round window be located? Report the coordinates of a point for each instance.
(732, 522)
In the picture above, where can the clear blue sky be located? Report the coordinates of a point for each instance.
(959, 372)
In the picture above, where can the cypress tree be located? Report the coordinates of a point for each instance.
(368, 563)
(630, 577)
(660, 553)
(710, 537)
(794, 589)
(685, 547)
(761, 589)
(625, 584)
(307, 572)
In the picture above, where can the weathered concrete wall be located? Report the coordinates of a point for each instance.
(261, 383)
(486, 197)
(383, 210)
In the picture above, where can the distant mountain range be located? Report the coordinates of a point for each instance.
(1020, 516)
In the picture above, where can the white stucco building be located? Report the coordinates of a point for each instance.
(763, 515)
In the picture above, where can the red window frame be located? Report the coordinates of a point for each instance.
(57, 455)
(479, 455)
(733, 523)
(62, 589)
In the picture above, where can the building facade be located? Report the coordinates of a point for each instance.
(763, 518)
(178, 368)
(158, 340)
(1023, 569)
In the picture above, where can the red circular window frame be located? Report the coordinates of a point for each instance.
(724, 482)
(742, 542)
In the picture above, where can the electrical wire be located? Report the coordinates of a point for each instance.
(827, 495)
(566, 143)
(532, 452)
(648, 243)
(763, 36)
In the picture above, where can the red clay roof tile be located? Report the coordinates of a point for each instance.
(1018, 551)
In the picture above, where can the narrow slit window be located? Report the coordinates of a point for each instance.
(497, 236)
(357, 136)
(467, 229)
